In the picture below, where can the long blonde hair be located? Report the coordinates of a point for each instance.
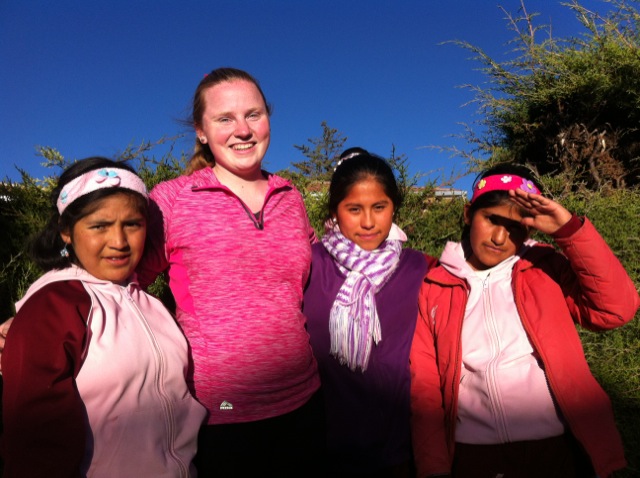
(202, 156)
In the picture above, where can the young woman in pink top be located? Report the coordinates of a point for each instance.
(236, 243)
(500, 385)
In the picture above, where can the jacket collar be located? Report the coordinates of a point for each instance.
(452, 262)
(72, 272)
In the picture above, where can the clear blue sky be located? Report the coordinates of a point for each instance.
(92, 77)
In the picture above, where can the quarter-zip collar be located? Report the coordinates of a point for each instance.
(205, 179)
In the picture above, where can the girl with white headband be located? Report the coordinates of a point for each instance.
(94, 368)
(500, 384)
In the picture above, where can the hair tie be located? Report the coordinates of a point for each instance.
(348, 156)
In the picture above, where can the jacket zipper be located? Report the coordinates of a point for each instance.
(534, 341)
(160, 366)
(258, 222)
(492, 386)
(455, 383)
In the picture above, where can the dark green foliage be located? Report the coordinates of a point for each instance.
(431, 223)
(565, 105)
(24, 207)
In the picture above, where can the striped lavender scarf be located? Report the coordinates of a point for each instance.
(354, 324)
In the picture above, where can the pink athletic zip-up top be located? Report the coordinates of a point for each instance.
(550, 292)
(238, 281)
(95, 383)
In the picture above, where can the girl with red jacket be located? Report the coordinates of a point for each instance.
(500, 384)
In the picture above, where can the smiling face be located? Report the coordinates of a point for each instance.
(495, 234)
(108, 243)
(365, 215)
(235, 125)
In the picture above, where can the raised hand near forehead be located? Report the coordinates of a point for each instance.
(545, 215)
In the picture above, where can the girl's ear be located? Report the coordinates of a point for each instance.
(468, 215)
(66, 237)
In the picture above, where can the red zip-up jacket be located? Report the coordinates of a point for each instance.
(587, 285)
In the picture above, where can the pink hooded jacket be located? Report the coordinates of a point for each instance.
(103, 393)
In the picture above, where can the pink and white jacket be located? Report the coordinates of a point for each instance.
(238, 281)
(95, 383)
(486, 347)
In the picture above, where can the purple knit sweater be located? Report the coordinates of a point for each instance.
(238, 283)
(367, 413)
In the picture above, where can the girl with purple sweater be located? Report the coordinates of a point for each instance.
(361, 309)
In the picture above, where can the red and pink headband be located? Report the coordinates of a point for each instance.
(503, 182)
(99, 179)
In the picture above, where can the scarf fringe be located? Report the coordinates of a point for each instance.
(348, 335)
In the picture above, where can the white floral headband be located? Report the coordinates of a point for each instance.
(99, 179)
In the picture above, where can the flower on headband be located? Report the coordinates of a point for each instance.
(506, 179)
(481, 184)
(528, 186)
(111, 177)
(63, 197)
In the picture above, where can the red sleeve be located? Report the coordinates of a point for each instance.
(431, 262)
(43, 414)
(428, 429)
(569, 228)
(599, 292)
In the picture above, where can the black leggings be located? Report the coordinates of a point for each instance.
(290, 445)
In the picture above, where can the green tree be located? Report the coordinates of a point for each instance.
(23, 209)
(322, 154)
(565, 106)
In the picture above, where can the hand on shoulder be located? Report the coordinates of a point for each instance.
(4, 329)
